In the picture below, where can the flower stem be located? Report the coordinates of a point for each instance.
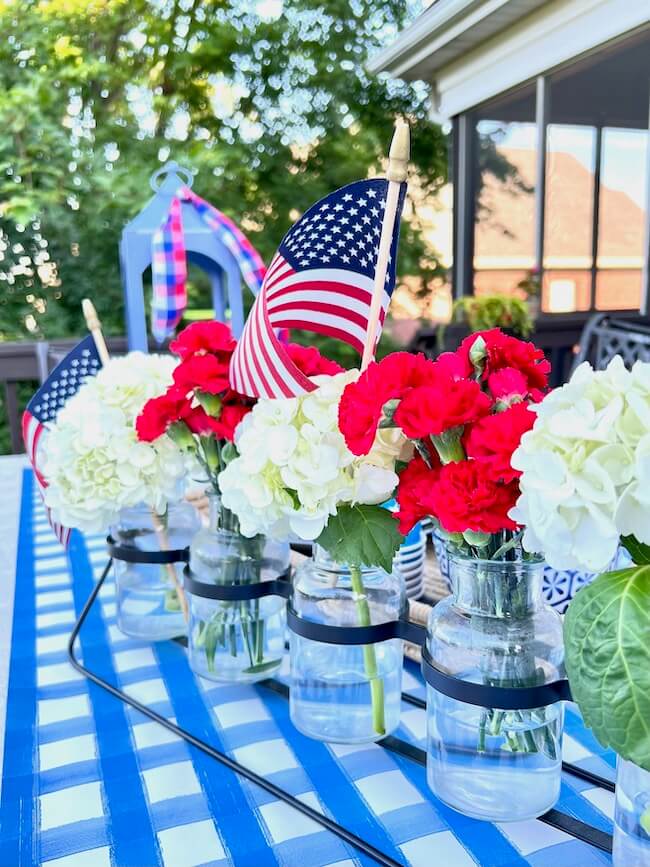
(369, 656)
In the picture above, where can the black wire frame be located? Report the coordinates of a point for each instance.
(555, 818)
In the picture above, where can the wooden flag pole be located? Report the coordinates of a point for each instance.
(95, 327)
(397, 169)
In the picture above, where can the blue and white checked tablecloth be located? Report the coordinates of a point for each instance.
(89, 782)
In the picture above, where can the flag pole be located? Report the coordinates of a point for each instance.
(95, 327)
(397, 169)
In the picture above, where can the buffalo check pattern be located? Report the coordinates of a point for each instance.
(89, 782)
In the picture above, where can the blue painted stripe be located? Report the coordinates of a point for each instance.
(17, 845)
(339, 796)
(238, 825)
(126, 801)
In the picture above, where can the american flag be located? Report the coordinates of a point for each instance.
(321, 279)
(65, 380)
(169, 263)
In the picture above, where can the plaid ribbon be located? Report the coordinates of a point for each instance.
(169, 263)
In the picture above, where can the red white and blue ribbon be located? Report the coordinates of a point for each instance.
(169, 262)
(321, 279)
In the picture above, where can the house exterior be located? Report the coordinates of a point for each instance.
(549, 102)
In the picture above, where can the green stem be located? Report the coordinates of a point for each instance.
(369, 655)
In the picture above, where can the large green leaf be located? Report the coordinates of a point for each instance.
(607, 638)
(362, 536)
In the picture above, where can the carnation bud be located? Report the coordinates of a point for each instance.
(229, 453)
(477, 354)
(211, 403)
(180, 434)
(210, 453)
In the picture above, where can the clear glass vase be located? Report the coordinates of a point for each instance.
(149, 595)
(495, 629)
(632, 816)
(346, 693)
(241, 641)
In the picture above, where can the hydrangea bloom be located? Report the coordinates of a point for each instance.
(294, 466)
(93, 461)
(586, 466)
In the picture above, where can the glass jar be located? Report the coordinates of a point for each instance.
(495, 629)
(243, 640)
(346, 693)
(632, 816)
(149, 595)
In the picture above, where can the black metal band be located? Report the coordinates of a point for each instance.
(501, 697)
(127, 554)
(354, 635)
(280, 586)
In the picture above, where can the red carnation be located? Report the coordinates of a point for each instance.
(159, 412)
(416, 482)
(213, 337)
(494, 438)
(310, 361)
(502, 351)
(508, 385)
(450, 403)
(360, 408)
(224, 426)
(203, 372)
(468, 496)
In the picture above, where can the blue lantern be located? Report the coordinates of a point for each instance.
(202, 246)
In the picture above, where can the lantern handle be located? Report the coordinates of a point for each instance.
(168, 169)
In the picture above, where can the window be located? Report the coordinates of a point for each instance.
(504, 225)
(587, 240)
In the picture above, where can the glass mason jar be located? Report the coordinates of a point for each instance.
(495, 629)
(149, 595)
(346, 693)
(632, 816)
(243, 640)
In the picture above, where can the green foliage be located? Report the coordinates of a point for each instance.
(271, 112)
(483, 312)
(639, 552)
(606, 633)
(362, 536)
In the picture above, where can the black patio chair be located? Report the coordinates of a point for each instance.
(604, 336)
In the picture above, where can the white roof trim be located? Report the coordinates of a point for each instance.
(433, 38)
(556, 32)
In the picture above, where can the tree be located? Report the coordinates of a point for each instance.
(267, 101)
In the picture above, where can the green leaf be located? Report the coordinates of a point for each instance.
(639, 552)
(362, 536)
(607, 640)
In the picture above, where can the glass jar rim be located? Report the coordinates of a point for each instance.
(455, 554)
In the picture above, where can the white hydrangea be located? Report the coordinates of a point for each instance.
(294, 467)
(586, 467)
(92, 459)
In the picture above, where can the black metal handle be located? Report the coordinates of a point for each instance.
(134, 555)
(280, 586)
(484, 695)
(354, 635)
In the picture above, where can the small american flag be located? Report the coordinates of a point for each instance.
(321, 279)
(65, 380)
(169, 264)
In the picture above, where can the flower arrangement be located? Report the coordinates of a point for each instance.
(199, 411)
(94, 463)
(465, 414)
(294, 471)
(585, 468)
